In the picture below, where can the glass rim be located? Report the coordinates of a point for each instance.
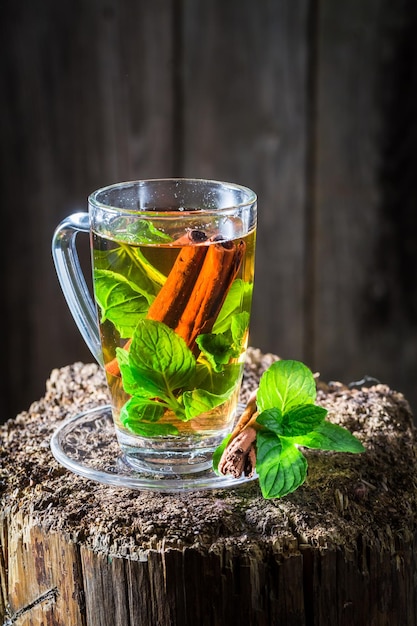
(249, 201)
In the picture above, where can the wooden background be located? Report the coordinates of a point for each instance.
(311, 103)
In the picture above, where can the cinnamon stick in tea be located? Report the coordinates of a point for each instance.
(194, 291)
(174, 293)
(220, 267)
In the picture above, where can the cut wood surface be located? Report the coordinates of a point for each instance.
(340, 550)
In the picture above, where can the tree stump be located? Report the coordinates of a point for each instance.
(338, 551)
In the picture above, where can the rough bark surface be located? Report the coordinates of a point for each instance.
(341, 550)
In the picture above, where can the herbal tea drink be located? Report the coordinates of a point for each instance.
(173, 271)
(174, 320)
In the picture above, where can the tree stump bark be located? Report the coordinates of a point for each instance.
(341, 550)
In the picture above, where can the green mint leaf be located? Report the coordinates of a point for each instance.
(141, 418)
(271, 419)
(122, 357)
(217, 454)
(302, 419)
(141, 409)
(144, 232)
(239, 327)
(239, 297)
(328, 436)
(120, 301)
(289, 418)
(161, 356)
(136, 383)
(199, 401)
(280, 466)
(286, 384)
(217, 349)
(136, 267)
(146, 429)
(216, 382)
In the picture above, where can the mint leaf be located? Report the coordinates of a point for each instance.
(200, 401)
(217, 454)
(281, 467)
(217, 349)
(140, 409)
(239, 328)
(302, 419)
(238, 297)
(286, 384)
(161, 356)
(135, 383)
(141, 418)
(328, 436)
(136, 267)
(216, 382)
(146, 429)
(120, 301)
(288, 417)
(271, 419)
(144, 232)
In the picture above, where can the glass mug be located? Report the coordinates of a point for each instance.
(173, 271)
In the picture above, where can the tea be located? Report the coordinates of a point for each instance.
(173, 316)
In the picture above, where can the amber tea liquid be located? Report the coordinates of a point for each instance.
(196, 285)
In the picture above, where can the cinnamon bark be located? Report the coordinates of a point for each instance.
(173, 295)
(176, 291)
(220, 267)
(239, 455)
(195, 289)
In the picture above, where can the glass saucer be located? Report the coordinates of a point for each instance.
(87, 445)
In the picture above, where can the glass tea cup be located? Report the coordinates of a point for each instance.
(173, 271)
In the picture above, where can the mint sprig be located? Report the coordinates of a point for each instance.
(288, 418)
(161, 373)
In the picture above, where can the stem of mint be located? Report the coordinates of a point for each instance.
(289, 419)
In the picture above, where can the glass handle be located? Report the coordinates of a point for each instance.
(72, 280)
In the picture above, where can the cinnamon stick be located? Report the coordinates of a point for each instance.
(220, 267)
(247, 417)
(174, 293)
(239, 455)
(194, 291)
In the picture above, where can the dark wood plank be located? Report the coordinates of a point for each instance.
(244, 98)
(85, 100)
(312, 104)
(364, 314)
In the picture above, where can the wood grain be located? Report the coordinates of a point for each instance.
(245, 72)
(364, 314)
(340, 550)
(309, 103)
(85, 100)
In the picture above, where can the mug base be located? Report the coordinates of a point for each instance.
(167, 464)
(87, 445)
(169, 456)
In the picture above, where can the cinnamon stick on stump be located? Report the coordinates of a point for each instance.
(239, 456)
(194, 291)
